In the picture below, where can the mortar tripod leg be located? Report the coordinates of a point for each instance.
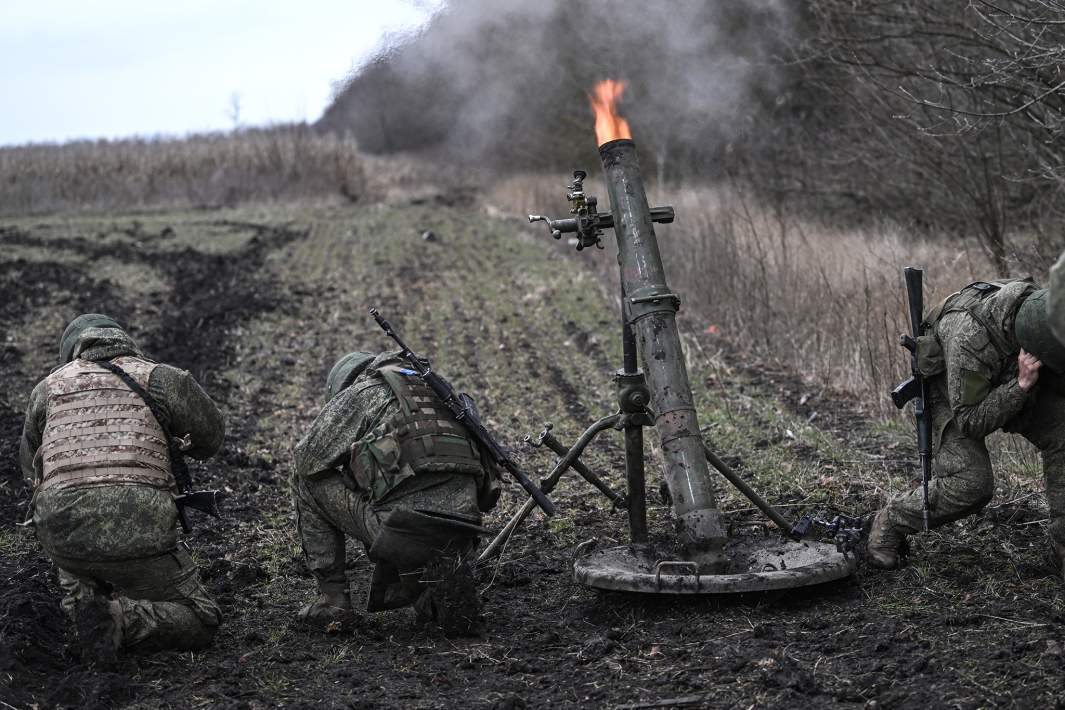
(548, 484)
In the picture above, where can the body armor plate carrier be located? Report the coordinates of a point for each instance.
(99, 432)
(430, 438)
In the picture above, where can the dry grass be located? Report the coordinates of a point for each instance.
(822, 301)
(207, 170)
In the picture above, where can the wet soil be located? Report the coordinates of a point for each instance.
(258, 306)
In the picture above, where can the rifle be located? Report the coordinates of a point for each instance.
(916, 388)
(203, 501)
(461, 405)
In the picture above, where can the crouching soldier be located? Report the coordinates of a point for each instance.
(387, 464)
(103, 503)
(991, 364)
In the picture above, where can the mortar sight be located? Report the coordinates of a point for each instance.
(589, 223)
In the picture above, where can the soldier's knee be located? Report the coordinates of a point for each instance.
(980, 488)
(967, 491)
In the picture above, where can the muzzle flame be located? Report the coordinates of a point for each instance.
(609, 126)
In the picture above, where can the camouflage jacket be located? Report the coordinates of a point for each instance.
(348, 417)
(978, 389)
(1056, 304)
(356, 422)
(120, 521)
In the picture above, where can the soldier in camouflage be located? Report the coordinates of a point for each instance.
(103, 498)
(991, 363)
(387, 464)
(1056, 302)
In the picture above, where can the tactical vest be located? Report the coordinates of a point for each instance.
(99, 432)
(430, 438)
(930, 359)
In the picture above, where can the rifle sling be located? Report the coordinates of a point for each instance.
(177, 457)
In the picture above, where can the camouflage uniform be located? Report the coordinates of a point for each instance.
(1056, 307)
(973, 391)
(350, 477)
(116, 534)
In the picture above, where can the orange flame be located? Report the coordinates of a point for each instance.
(609, 126)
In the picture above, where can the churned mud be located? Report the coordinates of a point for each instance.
(258, 303)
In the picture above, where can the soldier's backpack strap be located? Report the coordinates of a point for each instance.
(971, 296)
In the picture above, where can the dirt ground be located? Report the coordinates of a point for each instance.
(259, 302)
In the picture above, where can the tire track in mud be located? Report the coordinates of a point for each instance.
(191, 325)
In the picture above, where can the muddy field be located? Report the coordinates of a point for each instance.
(258, 303)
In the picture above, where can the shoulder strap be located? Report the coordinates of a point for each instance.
(177, 458)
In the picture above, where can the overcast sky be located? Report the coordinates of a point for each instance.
(111, 68)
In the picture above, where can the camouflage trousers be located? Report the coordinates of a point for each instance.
(164, 605)
(964, 483)
(327, 510)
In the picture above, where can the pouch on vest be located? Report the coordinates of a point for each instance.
(376, 464)
(930, 358)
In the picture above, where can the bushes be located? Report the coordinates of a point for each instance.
(207, 170)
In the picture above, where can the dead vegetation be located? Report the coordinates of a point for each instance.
(822, 301)
(975, 620)
(207, 170)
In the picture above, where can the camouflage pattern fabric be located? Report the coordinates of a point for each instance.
(979, 394)
(164, 605)
(327, 510)
(330, 504)
(1056, 303)
(124, 537)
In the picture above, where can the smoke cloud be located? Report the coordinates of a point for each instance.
(506, 80)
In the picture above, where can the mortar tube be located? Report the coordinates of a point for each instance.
(652, 310)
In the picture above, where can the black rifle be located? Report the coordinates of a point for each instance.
(915, 388)
(462, 407)
(203, 501)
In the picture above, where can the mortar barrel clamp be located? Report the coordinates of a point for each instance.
(656, 298)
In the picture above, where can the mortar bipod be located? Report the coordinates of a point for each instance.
(632, 396)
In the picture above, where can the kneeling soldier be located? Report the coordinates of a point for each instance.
(387, 464)
(992, 364)
(104, 491)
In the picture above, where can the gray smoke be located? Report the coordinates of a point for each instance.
(507, 79)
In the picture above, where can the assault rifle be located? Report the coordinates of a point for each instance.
(915, 388)
(463, 408)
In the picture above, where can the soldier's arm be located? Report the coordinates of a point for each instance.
(188, 410)
(973, 362)
(32, 431)
(346, 418)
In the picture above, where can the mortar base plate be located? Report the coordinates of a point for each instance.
(755, 565)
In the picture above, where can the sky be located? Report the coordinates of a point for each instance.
(72, 69)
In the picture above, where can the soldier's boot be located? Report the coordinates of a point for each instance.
(331, 611)
(884, 543)
(451, 600)
(99, 624)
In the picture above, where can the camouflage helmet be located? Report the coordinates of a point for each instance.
(79, 325)
(1033, 331)
(345, 371)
